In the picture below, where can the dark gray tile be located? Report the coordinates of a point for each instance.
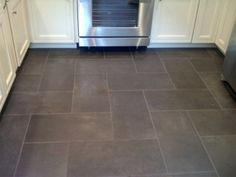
(117, 54)
(171, 53)
(43, 160)
(148, 63)
(180, 99)
(64, 53)
(91, 66)
(22, 103)
(26, 83)
(90, 159)
(115, 159)
(91, 54)
(130, 116)
(120, 66)
(56, 82)
(34, 62)
(196, 53)
(86, 102)
(211, 123)
(138, 157)
(222, 150)
(60, 66)
(54, 102)
(91, 94)
(197, 175)
(181, 147)
(139, 81)
(91, 126)
(207, 64)
(69, 127)
(178, 65)
(9, 154)
(214, 83)
(12, 132)
(13, 128)
(187, 80)
(48, 128)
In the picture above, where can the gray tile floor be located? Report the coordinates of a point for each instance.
(154, 113)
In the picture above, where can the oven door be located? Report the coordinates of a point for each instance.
(115, 18)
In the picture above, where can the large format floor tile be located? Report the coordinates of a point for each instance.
(181, 146)
(180, 100)
(68, 127)
(12, 132)
(121, 158)
(43, 160)
(128, 121)
(222, 150)
(213, 123)
(139, 81)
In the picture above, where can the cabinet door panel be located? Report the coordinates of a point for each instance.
(174, 21)
(7, 57)
(207, 21)
(227, 19)
(19, 28)
(52, 21)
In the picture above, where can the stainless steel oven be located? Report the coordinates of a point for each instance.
(115, 22)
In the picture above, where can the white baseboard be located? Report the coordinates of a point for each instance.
(180, 45)
(52, 45)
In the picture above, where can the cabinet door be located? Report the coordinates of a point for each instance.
(7, 54)
(52, 21)
(174, 20)
(207, 21)
(19, 26)
(227, 19)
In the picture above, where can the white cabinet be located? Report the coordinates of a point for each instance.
(18, 19)
(226, 19)
(7, 57)
(174, 21)
(52, 21)
(207, 21)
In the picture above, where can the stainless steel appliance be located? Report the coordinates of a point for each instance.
(115, 22)
(229, 71)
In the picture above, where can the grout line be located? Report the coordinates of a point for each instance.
(109, 101)
(22, 146)
(41, 75)
(193, 173)
(74, 87)
(164, 66)
(202, 143)
(210, 91)
(155, 134)
(213, 136)
(135, 66)
(67, 157)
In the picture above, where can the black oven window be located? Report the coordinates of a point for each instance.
(115, 13)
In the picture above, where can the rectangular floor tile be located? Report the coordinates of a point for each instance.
(64, 53)
(181, 147)
(197, 175)
(139, 81)
(119, 158)
(216, 86)
(56, 82)
(223, 153)
(207, 64)
(180, 99)
(210, 123)
(178, 65)
(26, 83)
(148, 63)
(120, 66)
(130, 116)
(22, 103)
(43, 160)
(88, 66)
(54, 102)
(68, 127)
(187, 80)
